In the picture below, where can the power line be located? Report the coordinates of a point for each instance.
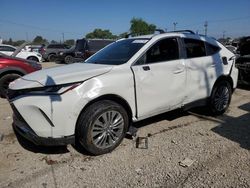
(218, 21)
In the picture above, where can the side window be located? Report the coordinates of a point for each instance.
(164, 50)
(7, 49)
(211, 49)
(50, 46)
(194, 48)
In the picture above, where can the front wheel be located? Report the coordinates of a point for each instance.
(52, 57)
(102, 127)
(69, 59)
(220, 98)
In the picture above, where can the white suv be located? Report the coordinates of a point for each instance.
(95, 102)
(9, 50)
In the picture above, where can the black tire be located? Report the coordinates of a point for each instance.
(86, 125)
(5, 81)
(33, 58)
(220, 98)
(52, 57)
(69, 59)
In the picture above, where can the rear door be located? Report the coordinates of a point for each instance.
(203, 64)
(160, 78)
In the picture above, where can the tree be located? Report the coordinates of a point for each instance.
(39, 40)
(53, 42)
(18, 42)
(70, 42)
(101, 34)
(141, 27)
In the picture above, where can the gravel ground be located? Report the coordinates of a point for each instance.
(218, 149)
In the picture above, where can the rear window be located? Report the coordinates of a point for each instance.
(194, 48)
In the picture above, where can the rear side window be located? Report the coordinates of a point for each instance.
(195, 48)
(7, 49)
(211, 49)
(57, 46)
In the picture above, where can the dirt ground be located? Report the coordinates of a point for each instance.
(218, 150)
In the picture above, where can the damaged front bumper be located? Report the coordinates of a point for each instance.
(23, 129)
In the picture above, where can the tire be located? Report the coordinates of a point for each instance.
(52, 57)
(5, 81)
(69, 59)
(33, 58)
(95, 132)
(220, 98)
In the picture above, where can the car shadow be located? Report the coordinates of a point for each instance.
(172, 115)
(26, 144)
(244, 87)
(236, 129)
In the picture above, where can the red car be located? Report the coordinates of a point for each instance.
(12, 68)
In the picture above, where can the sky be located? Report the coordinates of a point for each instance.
(25, 19)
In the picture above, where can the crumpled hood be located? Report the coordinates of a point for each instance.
(60, 75)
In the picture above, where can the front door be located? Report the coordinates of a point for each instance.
(160, 78)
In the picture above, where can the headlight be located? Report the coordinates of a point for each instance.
(54, 90)
(61, 53)
(47, 90)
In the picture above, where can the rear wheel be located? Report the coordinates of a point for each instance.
(102, 127)
(33, 58)
(220, 97)
(5, 81)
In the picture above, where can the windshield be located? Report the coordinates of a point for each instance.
(118, 52)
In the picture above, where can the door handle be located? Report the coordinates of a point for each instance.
(146, 68)
(178, 71)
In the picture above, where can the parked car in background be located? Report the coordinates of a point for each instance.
(20, 52)
(94, 103)
(33, 48)
(83, 49)
(50, 51)
(12, 68)
(243, 62)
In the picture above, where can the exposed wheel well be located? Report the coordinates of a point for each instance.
(11, 72)
(114, 98)
(33, 57)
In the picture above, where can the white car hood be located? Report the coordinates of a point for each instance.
(60, 75)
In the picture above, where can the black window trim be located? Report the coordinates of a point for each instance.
(185, 50)
(205, 44)
(178, 38)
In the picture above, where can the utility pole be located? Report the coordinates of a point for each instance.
(223, 34)
(205, 26)
(175, 23)
(63, 37)
(27, 36)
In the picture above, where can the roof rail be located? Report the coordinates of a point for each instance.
(159, 30)
(162, 31)
(182, 31)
